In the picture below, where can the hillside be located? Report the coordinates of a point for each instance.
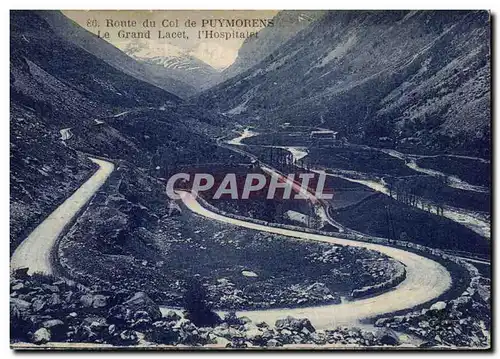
(287, 23)
(158, 75)
(67, 103)
(177, 62)
(413, 79)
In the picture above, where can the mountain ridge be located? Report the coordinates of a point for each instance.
(151, 73)
(419, 78)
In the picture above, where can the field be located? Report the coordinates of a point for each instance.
(437, 191)
(380, 215)
(357, 159)
(471, 171)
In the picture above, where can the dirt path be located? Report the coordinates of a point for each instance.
(35, 251)
(425, 280)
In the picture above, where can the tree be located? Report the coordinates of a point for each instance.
(199, 311)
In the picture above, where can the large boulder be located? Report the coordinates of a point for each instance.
(171, 316)
(387, 336)
(438, 306)
(141, 302)
(318, 290)
(57, 329)
(19, 304)
(294, 324)
(41, 336)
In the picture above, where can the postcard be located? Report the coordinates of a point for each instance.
(250, 180)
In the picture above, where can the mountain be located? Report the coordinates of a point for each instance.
(419, 78)
(287, 24)
(160, 76)
(181, 65)
(67, 104)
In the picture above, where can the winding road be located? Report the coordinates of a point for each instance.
(425, 279)
(468, 218)
(35, 252)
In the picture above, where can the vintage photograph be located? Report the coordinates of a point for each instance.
(250, 180)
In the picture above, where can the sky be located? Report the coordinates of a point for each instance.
(219, 53)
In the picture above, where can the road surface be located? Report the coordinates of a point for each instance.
(425, 279)
(35, 251)
(247, 133)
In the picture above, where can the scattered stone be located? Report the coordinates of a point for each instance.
(171, 316)
(273, 343)
(41, 336)
(438, 306)
(86, 300)
(294, 324)
(388, 336)
(141, 301)
(99, 301)
(17, 287)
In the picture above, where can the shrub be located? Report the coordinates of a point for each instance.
(198, 310)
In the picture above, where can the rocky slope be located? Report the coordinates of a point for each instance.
(65, 103)
(152, 72)
(419, 79)
(46, 309)
(177, 62)
(287, 24)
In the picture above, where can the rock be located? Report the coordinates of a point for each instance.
(84, 333)
(228, 332)
(294, 324)
(141, 301)
(221, 341)
(38, 305)
(120, 297)
(54, 300)
(262, 325)
(41, 336)
(86, 300)
(52, 323)
(245, 320)
(99, 301)
(112, 329)
(462, 302)
(17, 287)
(424, 324)
(367, 335)
(438, 306)
(21, 273)
(96, 323)
(119, 315)
(305, 331)
(382, 322)
(171, 316)
(273, 343)
(387, 337)
(428, 344)
(57, 329)
(19, 304)
(128, 337)
(51, 288)
(253, 334)
(162, 332)
(319, 290)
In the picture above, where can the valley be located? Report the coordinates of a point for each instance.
(400, 246)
